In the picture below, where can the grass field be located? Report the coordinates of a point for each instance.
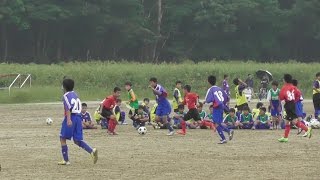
(96, 79)
(30, 149)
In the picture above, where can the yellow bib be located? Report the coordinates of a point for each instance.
(241, 99)
(318, 90)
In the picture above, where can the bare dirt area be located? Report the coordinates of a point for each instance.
(29, 149)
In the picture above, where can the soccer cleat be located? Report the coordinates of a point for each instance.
(222, 142)
(308, 133)
(94, 155)
(300, 131)
(171, 133)
(181, 132)
(63, 162)
(283, 139)
(231, 135)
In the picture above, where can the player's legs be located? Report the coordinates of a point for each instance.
(162, 114)
(65, 133)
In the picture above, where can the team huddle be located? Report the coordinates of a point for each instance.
(218, 98)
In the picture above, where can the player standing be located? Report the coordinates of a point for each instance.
(275, 104)
(164, 108)
(72, 123)
(108, 104)
(290, 94)
(316, 96)
(176, 97)
(217, 96)
(191, 100)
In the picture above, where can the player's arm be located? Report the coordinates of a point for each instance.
(176, 95)
(156, 91)
(209, 97)
(242, 83)
(133, 96)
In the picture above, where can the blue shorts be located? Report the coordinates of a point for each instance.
(75, 131)
(217, 115)
(275, 111)
(247, 126)
(262, 126)
(163, 110)
(299, 109)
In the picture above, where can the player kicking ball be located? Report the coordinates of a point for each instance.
(217, 97)
(72, 123)
(290, 94)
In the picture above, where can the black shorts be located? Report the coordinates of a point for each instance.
(192, 114)
(106, 113)
(290, 108)
(242, 106)
(316, 101)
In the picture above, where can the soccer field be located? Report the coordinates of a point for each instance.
(30, 149)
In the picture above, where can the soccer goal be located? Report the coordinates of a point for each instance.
(9, 81)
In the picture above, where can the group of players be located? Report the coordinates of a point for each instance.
(217, 97)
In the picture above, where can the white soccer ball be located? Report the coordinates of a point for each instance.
(49, 121)
(315, 123)
(142, 130)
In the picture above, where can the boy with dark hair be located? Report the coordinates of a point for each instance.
(262, 121)
(217, 96)
(177, 98)
(275, 104)
(164, 107)
(72, 123)
(316, 95)
(140, 118)
(108, 104)
(86, 118)
(178, 117)
(240, 96)
(246, 119)
(192, 116)
(290, 94)
(230, 119)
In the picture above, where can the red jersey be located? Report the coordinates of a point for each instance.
(191, 99)
(109, 103)
(289, 93)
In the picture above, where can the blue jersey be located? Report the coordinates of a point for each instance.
(86, 117)
(216, 96)
(72, 102)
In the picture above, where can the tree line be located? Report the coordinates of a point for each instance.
(50, 31)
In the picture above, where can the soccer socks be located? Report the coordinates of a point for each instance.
(183, 126)
(169, 127)
(84, 146)
(208, 124)
(302, 126)
(225, 129)
(287, 130)
(111, 125)
(64, 150)
(220, 132)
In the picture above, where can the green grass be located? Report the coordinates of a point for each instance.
(95, 80)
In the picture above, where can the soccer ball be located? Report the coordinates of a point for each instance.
(315, 123)
(49, 121)
(142, 130)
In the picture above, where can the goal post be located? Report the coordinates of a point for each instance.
(10, 81)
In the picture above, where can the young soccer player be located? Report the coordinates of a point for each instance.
(217, 96)
(246, 119)
(275, 104)
(192, 116)
(225, 85)
(178, 117)
(120, 115)
(86, 118)
(133, 101)
(240, 96)
(97, 115)
(230, 119)
(140, 118)
(262, 121)
(107, 112)
(316, 96)
(256, 111)
(290, 94)
(164, 107)
(177, 98)
(72, 123)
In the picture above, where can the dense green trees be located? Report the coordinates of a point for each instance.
(49, 31)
